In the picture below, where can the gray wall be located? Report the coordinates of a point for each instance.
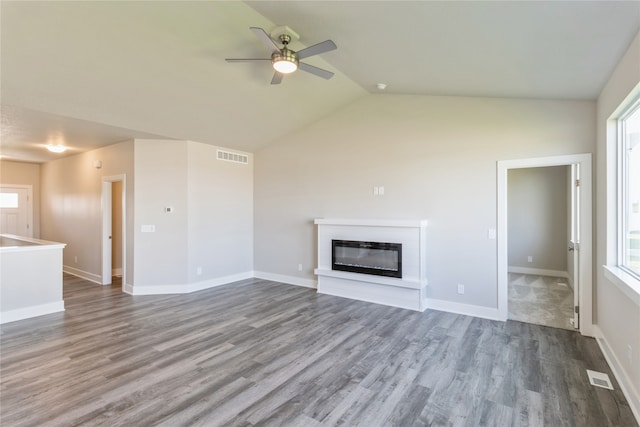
(436, 158)
(211, 226)
(537, 222)
(617, 309)
(71, 205)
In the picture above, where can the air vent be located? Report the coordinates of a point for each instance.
(229, 156)
(599, 379)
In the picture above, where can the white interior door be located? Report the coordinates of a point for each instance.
(573, 259)
(16, 211)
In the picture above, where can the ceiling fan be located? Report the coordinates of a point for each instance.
(285, 60)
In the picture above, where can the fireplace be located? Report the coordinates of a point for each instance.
(377, 258)
(398, 281)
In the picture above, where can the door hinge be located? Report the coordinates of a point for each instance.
(576, 309)
(577, 183)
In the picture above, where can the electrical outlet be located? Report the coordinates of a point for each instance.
(630, 353)
(199, 271)
(75, 259)
(530, 258)
(460, 289)
(299, 267)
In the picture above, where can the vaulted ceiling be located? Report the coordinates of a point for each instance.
(87, 74)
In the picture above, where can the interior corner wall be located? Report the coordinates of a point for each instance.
(537, 223)
(220, 197)
(207, 238)
(616, 314)
(436, 158)
(21, 173)
(71, 205)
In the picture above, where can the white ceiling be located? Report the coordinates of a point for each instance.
(94, 73)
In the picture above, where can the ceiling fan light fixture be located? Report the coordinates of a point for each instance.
(285, 61)
(285, 67)
(56, 148)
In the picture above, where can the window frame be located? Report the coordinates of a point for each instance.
(623, 187)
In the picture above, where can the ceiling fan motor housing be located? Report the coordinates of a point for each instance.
(284, 55)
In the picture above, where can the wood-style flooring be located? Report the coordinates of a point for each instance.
(264, 353)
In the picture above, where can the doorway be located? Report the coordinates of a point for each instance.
(114, 229)
(539, 223)
(581, 256)
(16, 210)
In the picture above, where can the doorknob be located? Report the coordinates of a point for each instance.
(110, 239)
(571, 248)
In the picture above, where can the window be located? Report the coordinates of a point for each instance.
(8, 200)
(629, 190)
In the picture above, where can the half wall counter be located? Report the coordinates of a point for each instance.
(30, 277)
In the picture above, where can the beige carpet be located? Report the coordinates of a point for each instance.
(542, 300)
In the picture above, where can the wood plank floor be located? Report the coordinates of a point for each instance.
(263, 353)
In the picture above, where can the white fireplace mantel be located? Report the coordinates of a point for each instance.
(406, 292)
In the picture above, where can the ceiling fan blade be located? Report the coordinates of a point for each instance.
(266, 39)
(246, 59)
(315, 70)
(316, 49)
(277, 78)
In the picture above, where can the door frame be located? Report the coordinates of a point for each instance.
(29, 189)
(585, 211)
(107, 208)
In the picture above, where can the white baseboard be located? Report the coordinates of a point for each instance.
(95, 278)
(212, 283)
(538, 271)
(187, 287)
(290, 280)
(466, 309)
(628, 389)
(127, 288)
(33, 311)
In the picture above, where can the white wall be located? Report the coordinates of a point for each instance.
(436, 158)
(71, 206)
(617, 315)
(538, 218)
(161, 181)
(220, 215)
(24, 174)
(211, 224)
(31, 278)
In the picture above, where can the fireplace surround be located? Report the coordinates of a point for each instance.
(404, 285)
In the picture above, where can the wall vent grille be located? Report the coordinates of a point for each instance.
(229, 156)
